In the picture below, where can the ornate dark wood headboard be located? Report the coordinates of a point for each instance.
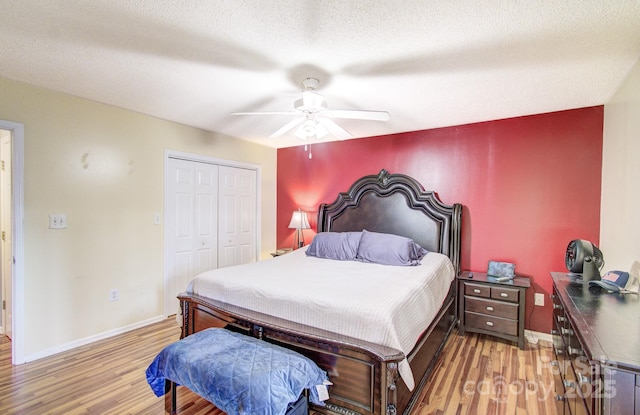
(397, 204)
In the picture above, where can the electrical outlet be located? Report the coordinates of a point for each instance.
(538, 299)
(113, 294)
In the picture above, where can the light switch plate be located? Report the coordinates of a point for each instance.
(538, 299)
(57, 221)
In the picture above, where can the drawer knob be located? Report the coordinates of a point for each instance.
(575, 351)
(476, 291)
(561, 319)
(504, 295)
(490, 323)
(566, 331)
(489, 308)
(558, 351)
(557, 306)
(582, 379)
(560, 398)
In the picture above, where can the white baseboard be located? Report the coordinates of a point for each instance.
(534, 336)
(91, 339)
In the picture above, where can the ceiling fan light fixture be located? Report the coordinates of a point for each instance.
(311, 128)
(306, 130)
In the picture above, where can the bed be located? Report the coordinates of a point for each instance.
(373, 371)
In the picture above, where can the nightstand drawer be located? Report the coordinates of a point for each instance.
(477, 290)
(506, 294)
(492, 308)
(496, 324)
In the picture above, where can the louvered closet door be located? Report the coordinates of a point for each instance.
(192, 227)
(237, 216)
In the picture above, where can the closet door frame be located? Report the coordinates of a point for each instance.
(210, 160)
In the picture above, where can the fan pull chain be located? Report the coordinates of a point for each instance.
(307, 147)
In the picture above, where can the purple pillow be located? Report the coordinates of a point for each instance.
(342, 246)
(388, 249)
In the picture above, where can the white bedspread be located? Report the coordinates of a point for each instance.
(381, 304)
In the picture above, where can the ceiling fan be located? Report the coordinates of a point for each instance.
(314, 119)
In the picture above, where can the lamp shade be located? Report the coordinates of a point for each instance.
(299, 220)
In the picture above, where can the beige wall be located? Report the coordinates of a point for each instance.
(103, 167)
(620, 214)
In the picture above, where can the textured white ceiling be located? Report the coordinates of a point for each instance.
(428, 63)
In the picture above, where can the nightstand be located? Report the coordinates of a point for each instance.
(491, 307)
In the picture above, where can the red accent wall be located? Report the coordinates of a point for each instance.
(529, 185)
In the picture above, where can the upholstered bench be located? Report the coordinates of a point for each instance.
(237, 373)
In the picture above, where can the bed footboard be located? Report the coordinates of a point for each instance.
(364, 375)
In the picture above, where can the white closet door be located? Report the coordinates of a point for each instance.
(206, 217)
(237, 216)
(191, 228)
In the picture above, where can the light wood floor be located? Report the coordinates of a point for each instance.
(476, 375)
(479, 374)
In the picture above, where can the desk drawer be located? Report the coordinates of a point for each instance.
(492, 307)
(490, 323)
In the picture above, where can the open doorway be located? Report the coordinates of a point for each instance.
(6, 251)
(12, 236)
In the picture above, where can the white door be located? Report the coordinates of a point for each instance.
(206, 217)
(191, 227)
(5, 235)
(237, 216)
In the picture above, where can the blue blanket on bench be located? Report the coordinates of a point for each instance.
(237, 373)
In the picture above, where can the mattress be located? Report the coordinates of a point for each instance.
(381, 304)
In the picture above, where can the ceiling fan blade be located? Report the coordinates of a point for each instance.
(334, 129)
(266, 113)
(287, 127)
(358, 114)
